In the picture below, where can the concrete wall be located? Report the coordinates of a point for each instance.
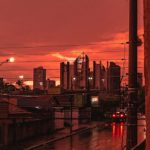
(147, 64)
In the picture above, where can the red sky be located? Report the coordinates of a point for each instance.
(60, 25)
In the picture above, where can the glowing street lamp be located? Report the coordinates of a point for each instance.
(21, 77)
(10, 60)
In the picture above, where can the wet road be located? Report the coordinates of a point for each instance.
(111, 138)
(107, 139)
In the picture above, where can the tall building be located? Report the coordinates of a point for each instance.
(72, 78)
(99, 78)
(113, 78)
(64, 75)
(81, 71)
(39, 78)
(90, 80)
(75, 76)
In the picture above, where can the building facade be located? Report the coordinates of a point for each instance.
(81, 71)
(39, 78)
(75, 76)
(113, 78)
(99, 76)
(147, 70)
(64, 75)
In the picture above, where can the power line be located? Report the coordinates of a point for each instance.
(63, 45)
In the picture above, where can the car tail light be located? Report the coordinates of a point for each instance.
(113, 115)
(121, 115)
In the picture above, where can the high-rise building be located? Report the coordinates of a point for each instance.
(72, 78)
(75, 76)
(81, 71)
(90, 80)
(67, 78)
(64, 75)
(99, 74)
(39, 78)
(113, 78)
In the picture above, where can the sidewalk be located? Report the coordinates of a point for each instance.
(38, 142)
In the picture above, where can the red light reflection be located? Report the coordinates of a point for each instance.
(117, 130)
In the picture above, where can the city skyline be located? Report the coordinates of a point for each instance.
(104, 62)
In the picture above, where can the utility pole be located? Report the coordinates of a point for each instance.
(131, 140)
(71, 107)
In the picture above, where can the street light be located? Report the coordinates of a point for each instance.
(21, 77)
(10, 60)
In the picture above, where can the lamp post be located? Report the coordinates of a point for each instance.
(10, 60)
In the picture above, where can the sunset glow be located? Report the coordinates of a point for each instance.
(48, 44)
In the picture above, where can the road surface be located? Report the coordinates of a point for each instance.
(107, 139)
(111, 138)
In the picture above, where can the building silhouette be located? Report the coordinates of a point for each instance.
(81, 72)
(64, 75)
(75, 76)
(113, 78)
(78, 76)
(99, 76)
(39, 78)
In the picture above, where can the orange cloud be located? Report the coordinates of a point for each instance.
(62, 57)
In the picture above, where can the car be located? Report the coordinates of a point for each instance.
(119, 117)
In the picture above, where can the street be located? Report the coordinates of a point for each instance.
(110, 138)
